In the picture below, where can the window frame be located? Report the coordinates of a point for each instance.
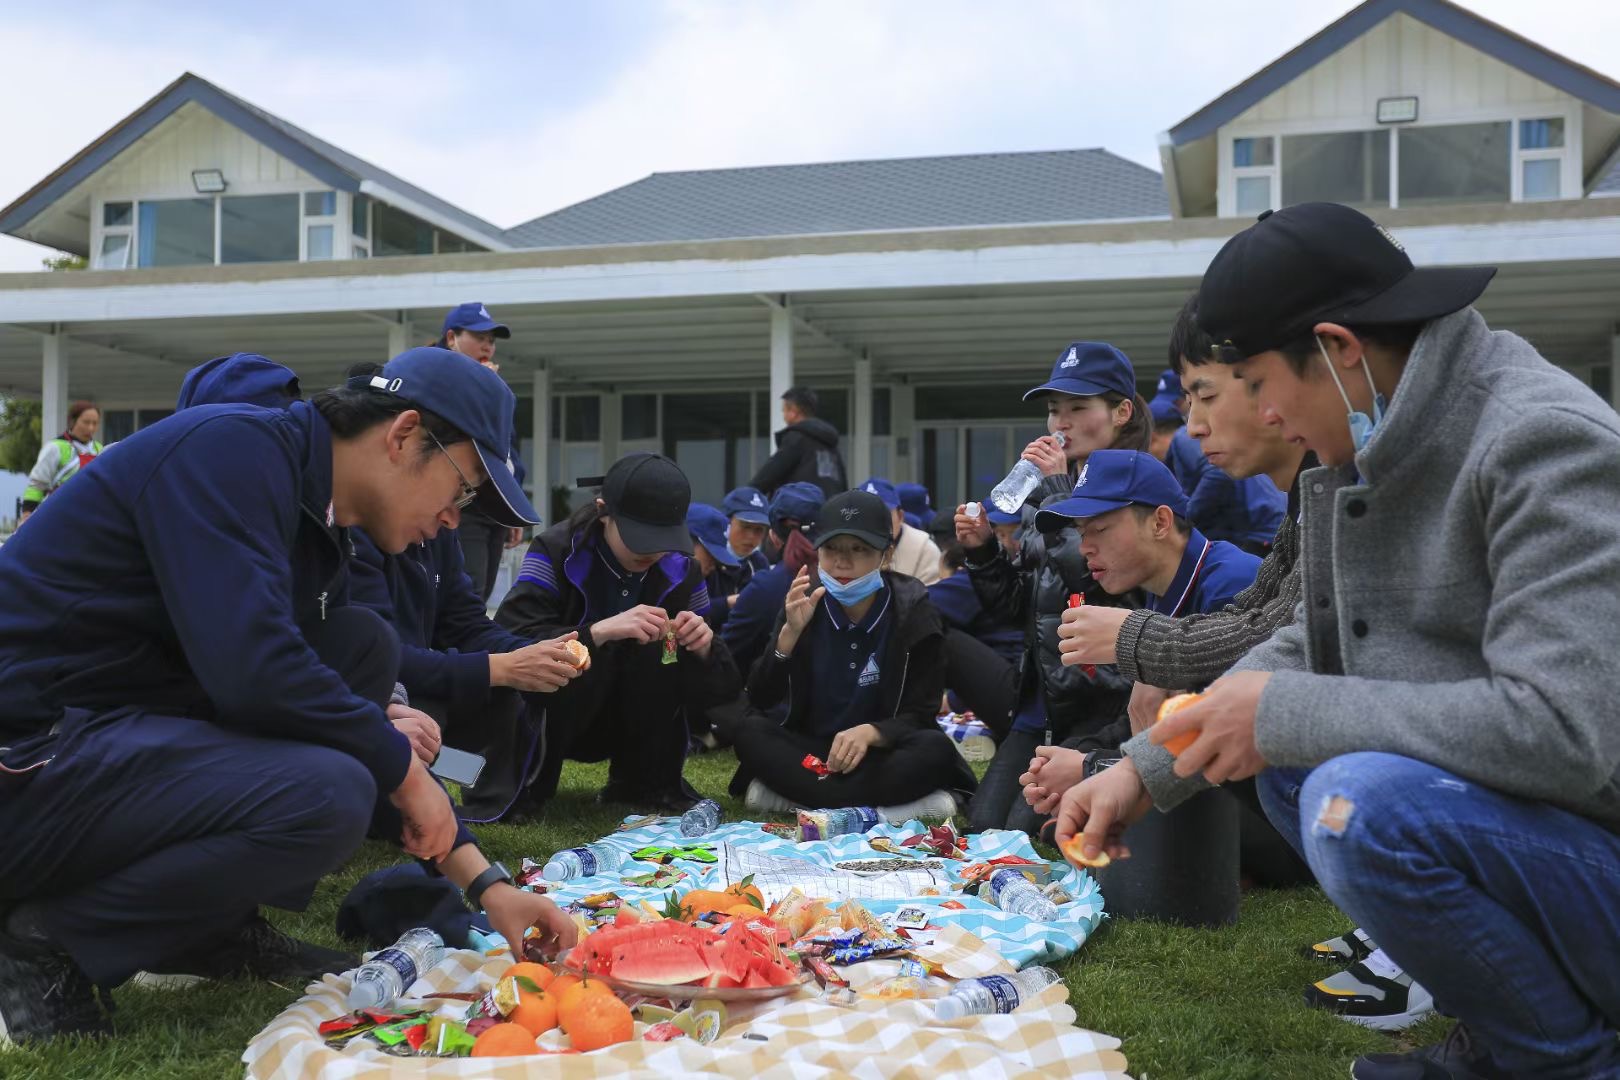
(342, 242)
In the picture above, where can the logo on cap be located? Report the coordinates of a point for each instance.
(483, 312)
(849, 512)
(1387, 236)
(757, 500)
(1080, 483)
(1073, 359)
(871, 489)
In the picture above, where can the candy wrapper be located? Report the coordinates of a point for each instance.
(817, 766)
(671, 655)
(973, 875)
(665, 854)
(662, 878)
(909, 985)
(853, 914)
(341, 1029)
(498, 1004)
(939, 840)
(797, 913)
(531, 876)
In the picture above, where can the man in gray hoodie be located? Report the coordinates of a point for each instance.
(1434, 731)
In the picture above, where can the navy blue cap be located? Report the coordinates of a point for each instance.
(1090, 368)
(800, 500)
(474, 316)
(474, 400)
(916, 500)
(708, 527)
(240, 378)
(1112, 479)
(748, 504)
(883, 490)
(1000, 517)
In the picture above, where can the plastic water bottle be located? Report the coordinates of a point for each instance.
(852, 819)
(1024, 478)
(993, 994)
(386, 976)
(576, 862)
(1012, 891)
(702, 819)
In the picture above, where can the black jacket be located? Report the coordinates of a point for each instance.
(916, 649)
(808, 451)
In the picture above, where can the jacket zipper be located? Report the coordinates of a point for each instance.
(905, 670)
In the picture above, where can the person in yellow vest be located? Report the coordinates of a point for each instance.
(62, 457)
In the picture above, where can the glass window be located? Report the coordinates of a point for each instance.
(258, 228)
(1345, 167)
(584, 418)
(1543, 178)
(360, 251)
(985, 401)
(988, 458)
(320, 203)
(318, 242)
(881, 421)
(359, 220)
(148, 417)
(114, 253)
(833, 407)
(638, 416)
(1247, 152)
(451, 244)
(117, 214)
(1253, 194)
(398, 233)
(176, 232)
(1541, 134)
(116, 424)
(706, 433)
(939, 465)
(1456, 163)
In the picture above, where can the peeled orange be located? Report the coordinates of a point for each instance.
(1186, 738)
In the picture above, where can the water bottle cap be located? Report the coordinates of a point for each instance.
(949, 1008)
(554, 871)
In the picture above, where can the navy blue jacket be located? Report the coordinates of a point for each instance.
(762, 600)
(173, 578)
(1211, 574)
(1238, 511)
(445, 637)
(958, 605)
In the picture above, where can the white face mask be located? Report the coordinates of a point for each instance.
(1361, 425)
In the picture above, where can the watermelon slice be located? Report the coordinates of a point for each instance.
(666, 963)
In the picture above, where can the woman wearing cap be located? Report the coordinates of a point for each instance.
(1091, 404)
(858, 658)
(620, 572)
(61, 458)
(712, 551)
(470, 330)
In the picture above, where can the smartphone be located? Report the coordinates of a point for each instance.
(457, 766)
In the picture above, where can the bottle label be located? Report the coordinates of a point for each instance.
(1003, 989)
(400, 961)
(587, 861)
(1005, 879)
(866, 818)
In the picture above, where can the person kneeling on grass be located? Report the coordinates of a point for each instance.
(860, 660)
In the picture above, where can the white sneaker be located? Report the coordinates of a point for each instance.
(935, 806)
(976, 748)
(763, 799)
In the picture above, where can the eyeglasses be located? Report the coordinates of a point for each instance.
(469, 492)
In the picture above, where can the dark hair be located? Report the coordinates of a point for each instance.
(1188, 342)
(802, 398)
(1137, 432)
(1182, 525)
(78, 409)
(365, 369)
(954, 556)
(1396, 337)
(585, 516)
(350, 411)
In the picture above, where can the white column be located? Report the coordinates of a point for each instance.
(612, 428)
(903, 432)
(781, 355)
(399, 338)
(54, 383)
(540, 456)
(861, 422)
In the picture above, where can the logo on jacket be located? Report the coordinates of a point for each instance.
(1073, 359)
(869, 674)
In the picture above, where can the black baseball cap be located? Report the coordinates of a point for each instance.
(860, 514)
(1322, 262)
(648, 495)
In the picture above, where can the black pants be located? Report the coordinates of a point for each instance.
(502, 731)
(999, 803)
(984, 680)
(148, 835)
(482, 542)
(920, 762)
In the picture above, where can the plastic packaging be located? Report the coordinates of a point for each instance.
(387, 975)
(584, 861)
(1011, 891)
(1024, 478)
(826, 824)
(702, 819)
(993, 994)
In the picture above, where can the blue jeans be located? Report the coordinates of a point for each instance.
(1507, 910)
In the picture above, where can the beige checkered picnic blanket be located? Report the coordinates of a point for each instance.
(804, 1038)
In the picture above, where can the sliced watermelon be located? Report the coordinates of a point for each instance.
(666, 963)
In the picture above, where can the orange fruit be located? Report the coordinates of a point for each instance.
(569, 1004)
(748, 892)
(600, 1020)
(745, 911)
(535, 1012)
(541, 975)
(560, 986)
(1072, 852)
(505, 1040)
(1186, 738)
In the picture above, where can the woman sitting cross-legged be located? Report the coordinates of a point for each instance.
(859, 657)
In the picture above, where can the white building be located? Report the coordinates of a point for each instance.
(919, 296)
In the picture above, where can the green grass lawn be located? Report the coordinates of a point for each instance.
(1201, 1004)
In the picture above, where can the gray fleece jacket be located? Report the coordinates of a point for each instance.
(1460, 586)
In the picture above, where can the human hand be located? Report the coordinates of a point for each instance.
(420, 728)
(849, 747)
(1046, 454)
(693, 633)
(543, 667)
(973, 532)
(1100, 809)
(1053, 771)
(801, 603)
(1144, 706)
(1088, 634)
(641, 624)
(430, 820)
(1224, 721)
(512, 911)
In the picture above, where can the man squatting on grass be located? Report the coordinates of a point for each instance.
(1434, 731)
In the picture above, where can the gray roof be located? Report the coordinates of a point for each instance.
(857, 196)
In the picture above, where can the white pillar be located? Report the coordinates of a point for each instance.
(781, 355)
(903, 432)
(399, 338)
(861, 422)
(611, 428)
(540, 456)
(54, 384)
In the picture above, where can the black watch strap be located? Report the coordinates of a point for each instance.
(480, 884)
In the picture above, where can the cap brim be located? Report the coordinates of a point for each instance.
(721, 554)
(876, 540)
(491, 327)
(1428, 292)
(1051, 518)
(753, 517)
(647, 539)
(501, 498)
(1072, 387)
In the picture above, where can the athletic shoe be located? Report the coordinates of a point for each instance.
(255, 950)
(1373, 993)
(935, 806)
(1348, 949)
(765, 800)
(976, 749)
(42, 991)
(1455, 1059)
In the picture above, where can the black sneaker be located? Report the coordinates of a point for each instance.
(1348, 948)
(43, 993)
(1455, 1059)
(1373, 992)
(257, 950)
(668, 801)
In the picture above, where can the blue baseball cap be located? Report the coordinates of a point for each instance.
(1090, 368)
(883, 490)
(1112, 479)
(748, 504)
(1000, 517)
(474, 400)
(474, 316)
(1166, 403)
(800, 500)
(708, 527)
(916, 500)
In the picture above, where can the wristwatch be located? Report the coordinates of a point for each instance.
(480, 884)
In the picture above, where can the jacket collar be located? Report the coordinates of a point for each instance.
(315, 481)
(1193, 562)
(671, 569)
(1441, 360)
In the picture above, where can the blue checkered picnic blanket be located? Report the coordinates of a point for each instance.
(960, 726)
(1020, 939)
